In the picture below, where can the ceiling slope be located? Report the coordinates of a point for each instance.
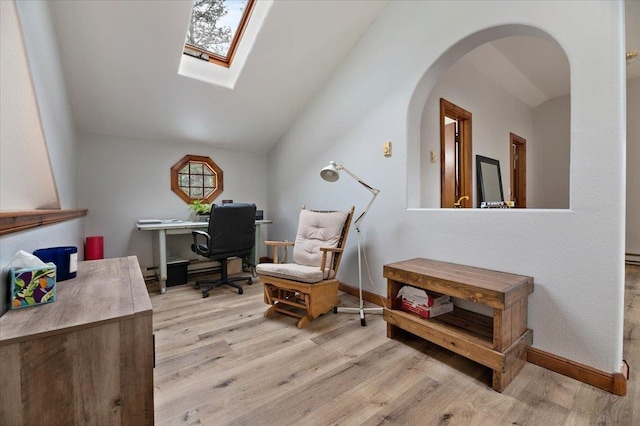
(121, 62)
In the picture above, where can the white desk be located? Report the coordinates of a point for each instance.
(185, 227)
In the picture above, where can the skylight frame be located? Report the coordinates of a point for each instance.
(219, 59)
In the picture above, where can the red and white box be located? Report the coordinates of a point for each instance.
(421, 297)
(426, 305)
(424, 311)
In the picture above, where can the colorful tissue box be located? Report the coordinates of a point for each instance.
(33, 286)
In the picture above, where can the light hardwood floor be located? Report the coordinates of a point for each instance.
(219, 362)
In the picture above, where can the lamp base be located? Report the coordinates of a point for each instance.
(361, 311)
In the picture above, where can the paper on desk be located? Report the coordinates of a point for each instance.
(157, 221)
(148, 221)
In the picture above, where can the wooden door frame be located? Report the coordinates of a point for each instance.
(521, 190)
(448, 109)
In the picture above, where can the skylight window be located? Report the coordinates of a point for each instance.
(215, 29)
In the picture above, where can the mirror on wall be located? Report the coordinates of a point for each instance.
(489, 181)
(521, 110)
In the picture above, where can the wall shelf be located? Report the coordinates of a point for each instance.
(16, 221)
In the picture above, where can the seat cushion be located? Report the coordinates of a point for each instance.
(315, 230)
(292, 271)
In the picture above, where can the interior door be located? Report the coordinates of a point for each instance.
(449, 187)
(455, 156)
(518, 166)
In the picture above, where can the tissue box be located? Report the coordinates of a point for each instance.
(32, 286)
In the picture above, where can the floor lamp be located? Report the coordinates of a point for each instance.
(331, 174)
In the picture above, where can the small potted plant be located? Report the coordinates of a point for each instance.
(201, 210)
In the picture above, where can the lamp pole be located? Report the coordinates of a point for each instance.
(330, 173)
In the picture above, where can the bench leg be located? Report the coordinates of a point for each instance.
(515, 358)
(501, 379)
(393, 332)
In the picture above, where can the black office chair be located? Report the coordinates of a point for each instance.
(230, 234)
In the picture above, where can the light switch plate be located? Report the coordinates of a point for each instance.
(386, 149)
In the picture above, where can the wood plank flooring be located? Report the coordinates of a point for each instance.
(219, 362)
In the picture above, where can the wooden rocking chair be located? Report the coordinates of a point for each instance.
(308, 287)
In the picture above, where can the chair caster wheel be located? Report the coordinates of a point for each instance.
(205, 294)
(196, 286)
(363, 322)
(249, 281)
(335, 309)
(240, 291)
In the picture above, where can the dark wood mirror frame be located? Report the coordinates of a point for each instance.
(487, 182)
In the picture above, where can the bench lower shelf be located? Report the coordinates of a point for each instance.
(468, 334)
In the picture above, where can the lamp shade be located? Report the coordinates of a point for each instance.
(330, 173)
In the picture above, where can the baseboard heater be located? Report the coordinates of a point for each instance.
(632, 258)
(195, 266)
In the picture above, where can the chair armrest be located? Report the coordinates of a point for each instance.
(334, 251)
(199, 249)
(276, 246)
(279, 243)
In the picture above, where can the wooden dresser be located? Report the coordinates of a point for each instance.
(86, 358)
(499, 343)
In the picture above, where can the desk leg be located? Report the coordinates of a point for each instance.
(256, 244)
(162, 243)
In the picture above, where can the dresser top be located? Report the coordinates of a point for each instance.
(106, 290)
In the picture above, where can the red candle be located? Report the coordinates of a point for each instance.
(94, 248)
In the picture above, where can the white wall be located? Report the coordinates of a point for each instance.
(122, 180)
(378, 93)
(25, 171)
(548, 155)
(56, 111)
(633, 167)
(495, 113)
(59, 133)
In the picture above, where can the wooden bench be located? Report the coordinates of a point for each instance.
(499, 343)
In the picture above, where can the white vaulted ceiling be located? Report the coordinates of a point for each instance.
(121, 61)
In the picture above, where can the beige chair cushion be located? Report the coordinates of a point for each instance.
(315, 230)
(291, 271)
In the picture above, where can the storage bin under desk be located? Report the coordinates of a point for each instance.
(177, 272)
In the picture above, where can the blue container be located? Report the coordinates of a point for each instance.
(65, 259)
